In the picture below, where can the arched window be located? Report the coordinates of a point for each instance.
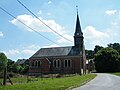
(57, 63)
(67, 63)
(35, 64)
(39, 63)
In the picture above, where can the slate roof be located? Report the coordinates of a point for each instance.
(57, 51)
(21, 61)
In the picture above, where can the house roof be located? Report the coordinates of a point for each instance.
(21, 61)
(57, 51)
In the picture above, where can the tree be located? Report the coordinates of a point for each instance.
(16, 68)
(89, 54)
(25, 69)
(97, 48)
(107, 60)
(3, 61)
(115, 46)
(13, 67)
(10, 65)
(3, 66)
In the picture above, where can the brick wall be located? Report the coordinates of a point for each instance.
(48, 67)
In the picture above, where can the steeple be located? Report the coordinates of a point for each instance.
(78, 27)
(78, 36)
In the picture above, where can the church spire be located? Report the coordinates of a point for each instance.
(78, 27)
(78, 36)
(77, 9)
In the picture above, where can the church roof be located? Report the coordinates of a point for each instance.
(57, 51)
(61, 51)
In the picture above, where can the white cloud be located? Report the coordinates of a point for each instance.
(49, 2)
(28, 52)
(94, 37)
(48, 13)
(91, 32)
(63, 40)
(1, 34)
(40, 12)
(110, 12)
(103, 37)
(54, 45)
(38, 26)
(22, 51)
(35, 47)
(12, 52)
(27, 19)
(114, 23)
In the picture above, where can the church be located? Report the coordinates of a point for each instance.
(61, 60)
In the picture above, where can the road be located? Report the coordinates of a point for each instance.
(102, 82)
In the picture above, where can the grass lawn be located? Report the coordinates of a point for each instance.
(117, 73)
(49, 83)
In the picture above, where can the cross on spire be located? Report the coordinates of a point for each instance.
(77, 9)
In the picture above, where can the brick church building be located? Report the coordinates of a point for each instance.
(62, 60)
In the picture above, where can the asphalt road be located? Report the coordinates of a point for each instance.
(102, 82)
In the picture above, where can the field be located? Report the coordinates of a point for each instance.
(117, 73)
(48, 83)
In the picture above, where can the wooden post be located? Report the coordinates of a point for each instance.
(9, 79)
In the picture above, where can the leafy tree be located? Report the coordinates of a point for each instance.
(107, 60)
(25, 69)
(3, 61)
(13, 67)
(97, 48)
(115, 46)
(16, 68)
(89, 54)
(3, 66)
(10, 65)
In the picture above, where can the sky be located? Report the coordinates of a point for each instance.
(99, 19)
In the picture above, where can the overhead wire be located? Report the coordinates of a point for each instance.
(27, 26)
(42, 21)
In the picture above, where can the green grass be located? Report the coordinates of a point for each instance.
(49, 83)
(117, 73)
